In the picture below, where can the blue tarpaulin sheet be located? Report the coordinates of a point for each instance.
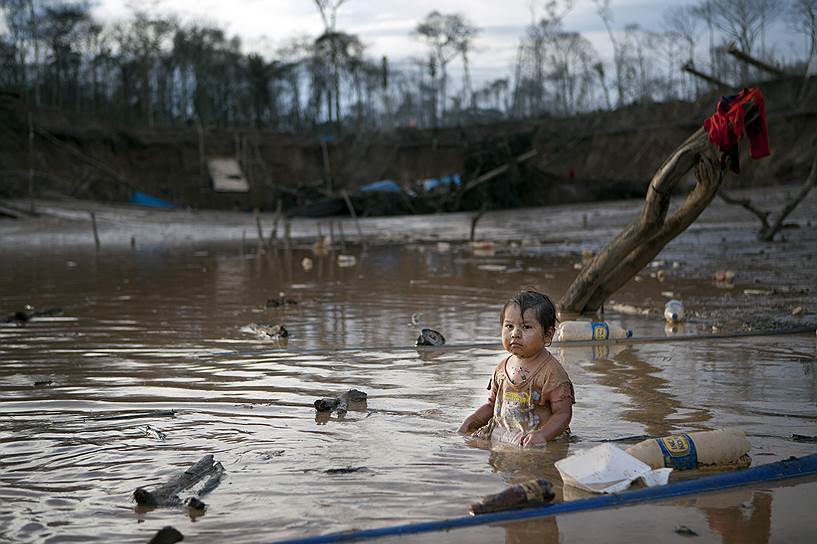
(432, 183)
(144, 199)
(385, 185)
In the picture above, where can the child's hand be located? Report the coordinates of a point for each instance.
(533, 440)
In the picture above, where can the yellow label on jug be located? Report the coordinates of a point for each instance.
(676, 445)
(600, 331)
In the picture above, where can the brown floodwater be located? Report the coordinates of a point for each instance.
(163, 327)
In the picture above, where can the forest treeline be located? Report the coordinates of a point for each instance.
(156, 70)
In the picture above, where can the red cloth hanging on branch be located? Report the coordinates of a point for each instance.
(727, 126)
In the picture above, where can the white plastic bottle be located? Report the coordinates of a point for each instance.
(590, 330)
(674, 311)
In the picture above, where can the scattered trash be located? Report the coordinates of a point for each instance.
(685, 531)
(661, 275)
(195, 504)
(590, 330)
(607, 469)
(144, 199)
(483, 248)
(527, 494)
(797, 312)
(578, 266)
(443, 181)
(668, 294)
(674, 311)
(43, 383)
(344, 470)
(341, 403)
(266, 331)
(430, 337)
(386, 186)
(757, 291)
(804, 438)
(629, 309)
(658, 263)
(726, 448)
(154, 433)
(282, 300)
(443, 247)
(167, 535)
(321, 246)
(345, 261)
(676, 265)
(724, 276)
(415, 318)
(492, 267)
(28, 312)
(306, 264)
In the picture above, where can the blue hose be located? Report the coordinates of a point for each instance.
(791, 468)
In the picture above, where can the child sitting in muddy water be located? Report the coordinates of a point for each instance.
(531, 397)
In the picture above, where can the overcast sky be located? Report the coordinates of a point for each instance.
(385, 26)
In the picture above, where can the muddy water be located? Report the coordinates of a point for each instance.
(147, 332)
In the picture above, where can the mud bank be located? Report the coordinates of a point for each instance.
(601, 155)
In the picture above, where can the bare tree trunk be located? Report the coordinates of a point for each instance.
(644, 238)
(809, 184)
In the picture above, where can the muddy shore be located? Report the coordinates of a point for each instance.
(774, 282)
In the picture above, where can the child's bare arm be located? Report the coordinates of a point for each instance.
(561, 413)
(480, 417)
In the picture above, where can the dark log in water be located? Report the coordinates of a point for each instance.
(167, 494)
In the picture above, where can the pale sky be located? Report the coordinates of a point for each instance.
(385, 26)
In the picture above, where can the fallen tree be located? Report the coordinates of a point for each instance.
(643, 239)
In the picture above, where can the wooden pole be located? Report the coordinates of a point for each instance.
(30, 163)
(96, 234)
(352, 212)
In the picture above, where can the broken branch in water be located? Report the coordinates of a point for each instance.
(167, 494)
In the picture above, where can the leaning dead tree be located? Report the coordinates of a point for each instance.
(643, 239)
(769, 230)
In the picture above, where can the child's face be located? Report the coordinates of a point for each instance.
(522, 335)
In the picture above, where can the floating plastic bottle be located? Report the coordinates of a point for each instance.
(524, 495)
(674, 311)
(590, 330)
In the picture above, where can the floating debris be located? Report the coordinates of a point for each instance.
(43, 383)
(492, 267)
(797, 312)
(345, 261)
(683, 530)
(152, 432)
(430, 337)
(280, 301)
(674, 311)
(344, 470)
(306, 264)
(195, 504)
(167, 535)
(527, 494)
(266, 331)
(28, 312)
(415, 318)
(341, 403)
(804, 438)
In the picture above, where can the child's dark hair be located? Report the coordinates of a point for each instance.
(541, 305)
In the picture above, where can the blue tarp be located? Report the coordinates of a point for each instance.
(431, 183)
(385, 185)
(144, 199)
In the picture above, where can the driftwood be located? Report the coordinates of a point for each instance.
(769, 230)
(168, 494)
(341, 403)
(640, 242)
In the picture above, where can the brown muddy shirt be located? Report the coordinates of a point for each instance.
(523, 408)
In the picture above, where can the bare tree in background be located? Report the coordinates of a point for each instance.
(682, 22)
(445, 34)
(329, 12)
(606, 14)
(742, 21)
(802, 17)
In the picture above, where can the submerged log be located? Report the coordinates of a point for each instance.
(167, 494)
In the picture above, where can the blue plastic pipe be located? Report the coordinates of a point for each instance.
(781, 470)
